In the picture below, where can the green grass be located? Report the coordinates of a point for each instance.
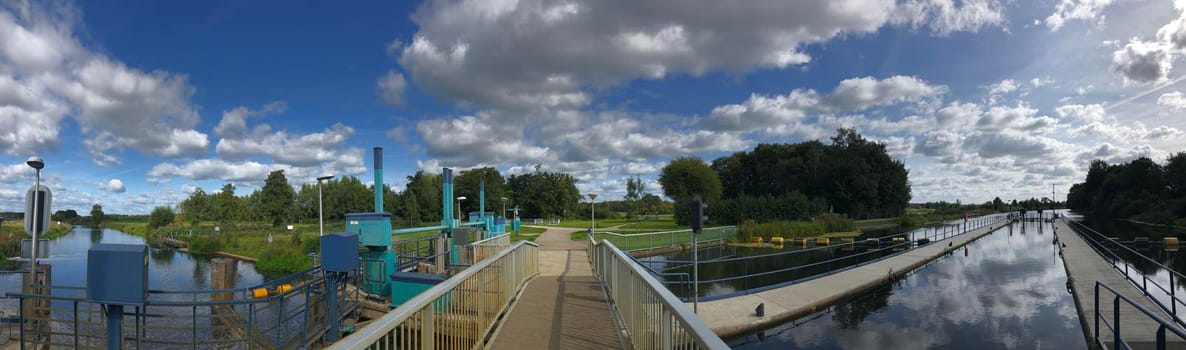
(585, 223)
(878, 222)
(656, 225)
(531, 230)
(634, 241)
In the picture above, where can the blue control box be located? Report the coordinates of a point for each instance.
(339, 252)
(117, 274)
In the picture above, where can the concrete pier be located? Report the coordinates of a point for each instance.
(1085, 267)
(735, 316)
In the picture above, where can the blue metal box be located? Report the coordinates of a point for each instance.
(117, 274)
(373, 229)
(339, 252)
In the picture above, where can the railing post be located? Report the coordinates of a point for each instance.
(1097, 312)
(427, 331)
(1161, 337)
(1116, 320)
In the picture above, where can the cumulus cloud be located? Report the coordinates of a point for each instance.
(46, 74)
(1143, 61)
(297, 150)
(944, 17)
(1068, 10)
(391, 88)
(1003, 87)
(113, 186)
(234, 121)
(1173, 100)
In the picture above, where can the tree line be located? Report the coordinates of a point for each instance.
(1140, 189)
(851, 176)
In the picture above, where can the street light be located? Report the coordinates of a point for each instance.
(504, 207)
(35, 162)
(320, 207)
(592, 215)
(459, 199)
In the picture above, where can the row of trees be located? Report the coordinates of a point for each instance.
(1140, 189)
(538, 194)
(852, 176)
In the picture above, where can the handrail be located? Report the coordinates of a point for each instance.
(654, 317)
(491, 239)
(1171, 292)
(1114, 326)
(480, 292)
(888, 250)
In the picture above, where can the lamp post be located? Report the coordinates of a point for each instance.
(459, 199)
(592, 215)
(35, 162)
(320, 207)
(504, 207)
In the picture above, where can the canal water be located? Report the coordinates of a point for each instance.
(168, 269)
(1008, 291)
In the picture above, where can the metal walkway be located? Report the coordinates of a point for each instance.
(565, 307)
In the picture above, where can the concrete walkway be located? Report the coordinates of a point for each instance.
(1085, 267)
(735, 316)
(565, 307)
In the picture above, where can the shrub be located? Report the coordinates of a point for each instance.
(204, 245)
(280, 261)
(311, 246)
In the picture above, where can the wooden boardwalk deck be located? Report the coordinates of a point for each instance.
(565, 307)
(734, 316)
(1085, 267)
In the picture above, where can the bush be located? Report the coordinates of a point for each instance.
(205, 245)
(791, 229)
(793, 206)
(277, 261)
(160, 217)
(311, 246)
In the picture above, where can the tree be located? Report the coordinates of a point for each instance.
(686, 177)
(634, 192)
(97, 214)
(226, 207)
(160, 217)
(998, 204)
(425, 190)
(197, 207)
(542, 194)
(277, 198)
(466, 184)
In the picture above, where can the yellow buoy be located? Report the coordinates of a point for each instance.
(283, 288)
(822, 241)
(259, 292)
(1170, 241)
(756, 240)
(776, 240)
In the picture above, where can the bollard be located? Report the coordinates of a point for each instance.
(760, 311)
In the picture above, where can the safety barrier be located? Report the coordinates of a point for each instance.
(653, 317)
(487, 247)
(283, 314)
(768, 271)
(458, 313)
(638, 242)
(1115, 328)
(1105, 246)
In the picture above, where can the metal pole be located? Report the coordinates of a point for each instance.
(695, 274)
(592, 220)
(320, 211)
(36, 224)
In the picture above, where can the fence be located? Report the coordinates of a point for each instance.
(291, 316)
(653, 317)
(755, 273)
(457, 313)
(643, 242)
(1114, 326)
(1107, 248)
(482, 249)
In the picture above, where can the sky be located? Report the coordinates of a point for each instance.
(134, 104)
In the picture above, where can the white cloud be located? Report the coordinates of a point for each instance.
(234, 121)
(860, 93)
(391, 88)
(113, 186)
(1067, 10)
(1082, 113)
(298, 150)
(1003, 87)
(46, 74)
(1143, 61)
(1173, 100)
(945, 17)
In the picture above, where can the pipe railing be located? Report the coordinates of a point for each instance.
(783, 263)
(482, 249)
(1114, 326)
(459, 312)
(1097, 242)
(654, 318)
(635, 242)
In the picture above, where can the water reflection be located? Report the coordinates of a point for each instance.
(1008, 292)
(167, 269)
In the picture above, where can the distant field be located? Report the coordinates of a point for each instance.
(877, 222)
(585, 223)
(656, 225)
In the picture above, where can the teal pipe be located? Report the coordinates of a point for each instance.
(378, 179)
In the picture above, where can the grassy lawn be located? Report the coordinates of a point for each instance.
(656, 225)
(877, 222)
(630, 241)
(585, 223)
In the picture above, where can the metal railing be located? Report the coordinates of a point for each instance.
(482, 249)
(1105, 246)
(762, 272)
(653, 317)
(638, 242)
(458, 313)
(290, 316)
(1114, 325)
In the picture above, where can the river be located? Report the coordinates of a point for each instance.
(1008, 292)
(168, 269)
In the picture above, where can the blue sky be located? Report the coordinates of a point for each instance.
(133, 104)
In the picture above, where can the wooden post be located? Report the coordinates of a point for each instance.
(36, 310)
(222, 317)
